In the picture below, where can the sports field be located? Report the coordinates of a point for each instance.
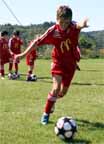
(22, 103)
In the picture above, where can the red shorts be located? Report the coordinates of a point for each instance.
(66, 71)
(30, 61)
(31, 57)
(5, 58)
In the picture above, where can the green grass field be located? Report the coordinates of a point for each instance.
(22, 103)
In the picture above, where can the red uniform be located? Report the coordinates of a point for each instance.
(65, 52)
(15, 45)
(4, 51)
(30, 57)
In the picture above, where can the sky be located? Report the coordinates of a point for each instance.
(28, 12)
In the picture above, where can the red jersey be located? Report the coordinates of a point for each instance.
(15, 45)
(4, 51)
(65, 43)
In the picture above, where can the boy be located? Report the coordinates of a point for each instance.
(15, 43)
(64, 36)
(5, 55)
(30, 61)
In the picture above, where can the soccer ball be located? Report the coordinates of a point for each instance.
(33, 77)
(65, 128)
(12, 76)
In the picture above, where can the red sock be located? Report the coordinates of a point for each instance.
(49, 103)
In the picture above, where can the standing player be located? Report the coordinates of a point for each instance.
(64, 36)
(15, 43)
(30, 61)
(5, 55)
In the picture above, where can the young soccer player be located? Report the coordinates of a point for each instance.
(64, 36)
(15, 43)
(5, 55)
(30, 61)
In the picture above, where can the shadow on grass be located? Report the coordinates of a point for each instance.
(86, 84)
(90, 125)
(48, 79)
(91, 70)
(78, 141)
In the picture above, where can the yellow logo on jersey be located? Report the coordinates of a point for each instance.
(65, 44)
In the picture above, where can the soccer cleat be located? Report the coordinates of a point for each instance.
(45, 119)
(28, 78)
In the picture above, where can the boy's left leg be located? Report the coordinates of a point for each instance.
(16, 67)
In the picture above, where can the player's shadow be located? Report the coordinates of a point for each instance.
(86, 84)
(90, 125)
(91, 70)
(78, 141)
(45, 79)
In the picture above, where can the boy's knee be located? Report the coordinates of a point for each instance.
(55, 91)
(62, 94)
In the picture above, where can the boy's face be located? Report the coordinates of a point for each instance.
(64, 23)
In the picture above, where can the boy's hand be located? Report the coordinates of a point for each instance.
(83, 24)
(16, 57)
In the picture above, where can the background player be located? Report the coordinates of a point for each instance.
(30, 61)
(5, 55)
(15, 43)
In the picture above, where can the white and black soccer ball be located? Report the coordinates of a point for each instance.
(65, 128)
(33, 77)
(12, 76)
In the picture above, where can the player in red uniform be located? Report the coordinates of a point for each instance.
(64, 36)
(30, 61)
(15, 43)
(5, 55)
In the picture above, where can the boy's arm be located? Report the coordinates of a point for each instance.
(29, 48)
(9, 45)
(82, 24)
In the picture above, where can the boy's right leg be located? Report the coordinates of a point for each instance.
(51, 100)
(48, 107)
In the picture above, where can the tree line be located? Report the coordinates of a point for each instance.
(91, 43)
